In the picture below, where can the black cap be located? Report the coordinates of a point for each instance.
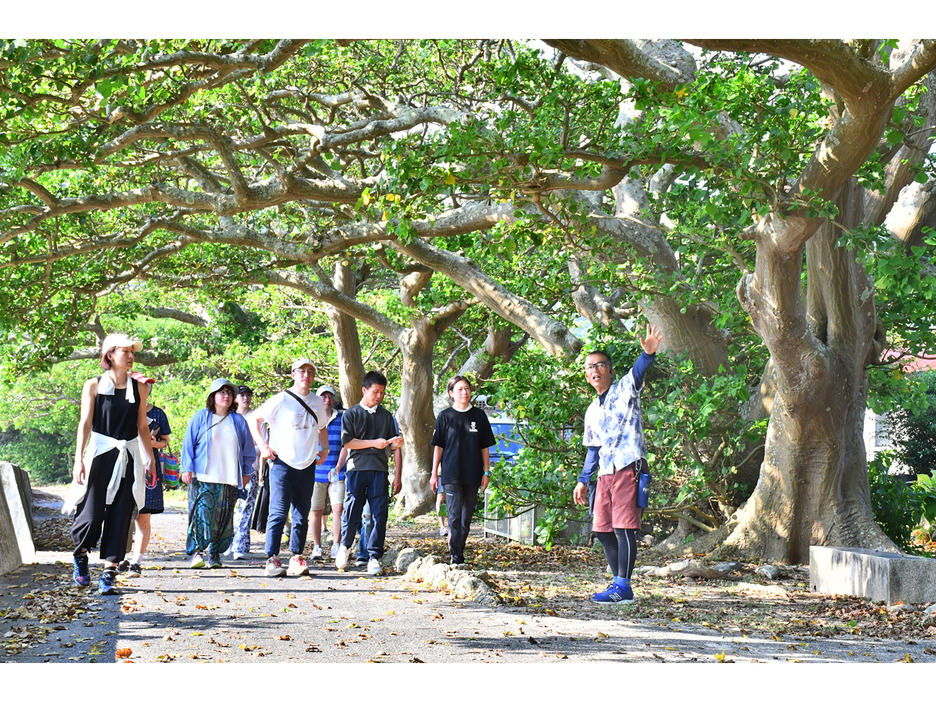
(244, 390)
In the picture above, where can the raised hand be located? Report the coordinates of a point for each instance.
(652, 342)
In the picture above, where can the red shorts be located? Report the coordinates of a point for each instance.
(616, 501)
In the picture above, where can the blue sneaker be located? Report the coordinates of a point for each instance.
(81, 574)
(107, 582)
(615, 594)
(626, 593)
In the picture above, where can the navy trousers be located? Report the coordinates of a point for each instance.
(290, 489)
(364, 486)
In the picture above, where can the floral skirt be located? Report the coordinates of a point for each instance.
(211, 517)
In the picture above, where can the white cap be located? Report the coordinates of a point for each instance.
(120, 341)
(299, 363)
(326, 388)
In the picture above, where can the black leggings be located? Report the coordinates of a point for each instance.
(620, 547)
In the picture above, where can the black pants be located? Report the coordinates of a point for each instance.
(96, 519)
(460, 501)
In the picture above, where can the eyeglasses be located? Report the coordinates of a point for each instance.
(596, 366)
(225, 391)
(304, 371)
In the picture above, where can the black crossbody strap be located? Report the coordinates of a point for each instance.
(299, 400)
(205, 431)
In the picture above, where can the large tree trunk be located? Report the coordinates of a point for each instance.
(347, 341)
(813, 486)
(416, 418)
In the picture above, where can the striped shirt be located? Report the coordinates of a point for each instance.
(334, 450)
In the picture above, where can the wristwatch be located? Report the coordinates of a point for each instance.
(487, 473)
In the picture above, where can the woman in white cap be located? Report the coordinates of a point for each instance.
(112, 458)
(217, 460)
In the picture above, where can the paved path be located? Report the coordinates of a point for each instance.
(236, 614)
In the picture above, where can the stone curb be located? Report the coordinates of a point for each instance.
(457, 579)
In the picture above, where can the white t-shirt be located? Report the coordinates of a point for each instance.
(293, 433)
(264, 432)
(223, 466)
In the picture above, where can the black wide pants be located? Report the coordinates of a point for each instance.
(95, 519)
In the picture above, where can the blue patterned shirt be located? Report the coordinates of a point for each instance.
(616, 425)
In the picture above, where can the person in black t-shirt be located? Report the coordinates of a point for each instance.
(462, 440)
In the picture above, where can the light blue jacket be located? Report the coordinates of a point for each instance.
(194, 457)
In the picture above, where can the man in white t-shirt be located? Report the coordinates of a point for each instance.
(298, 439)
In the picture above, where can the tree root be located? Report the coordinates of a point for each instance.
(689, 569)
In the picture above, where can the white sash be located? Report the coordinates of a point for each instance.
(98, 444)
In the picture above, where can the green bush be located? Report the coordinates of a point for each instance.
(48, 458)
(926, 485)
(899, 507)
(914, 432)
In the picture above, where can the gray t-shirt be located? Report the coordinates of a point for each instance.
(358, 423)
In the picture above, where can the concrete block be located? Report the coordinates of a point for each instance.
(9, 546)
(877, 575)
(16, 509)
(25, 490)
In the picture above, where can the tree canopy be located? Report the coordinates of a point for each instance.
(767, 203)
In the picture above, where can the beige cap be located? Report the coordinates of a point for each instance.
(120, 341)
(299, 363)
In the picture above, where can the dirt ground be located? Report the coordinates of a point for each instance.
(544, 613)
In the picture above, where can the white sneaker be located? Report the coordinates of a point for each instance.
(374, 567)
(297, 566)
(341, 559)
(317, 554)
(197, 561)
(443, 531)
(274, 568)
(238, 556)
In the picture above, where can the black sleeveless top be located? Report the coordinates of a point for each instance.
(114, 416)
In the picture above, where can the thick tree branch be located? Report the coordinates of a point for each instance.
(553, 336)
(664, 61)
(178, 315)
(322, 289)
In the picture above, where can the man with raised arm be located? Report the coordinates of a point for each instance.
(616, 448)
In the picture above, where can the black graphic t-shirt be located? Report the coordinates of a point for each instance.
(462, 436)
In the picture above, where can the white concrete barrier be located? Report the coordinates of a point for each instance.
(16, 525)
(877, 575)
